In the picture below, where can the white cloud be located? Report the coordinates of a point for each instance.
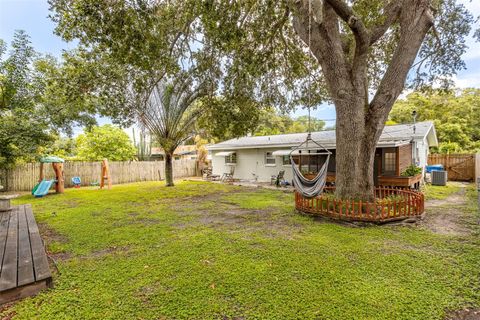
(471, 80)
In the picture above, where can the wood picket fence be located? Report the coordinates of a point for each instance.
(24, 177)
(390, 204)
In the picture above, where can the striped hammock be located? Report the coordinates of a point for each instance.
(309, 188)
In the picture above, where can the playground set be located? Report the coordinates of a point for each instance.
(41, 189)
(44, 185)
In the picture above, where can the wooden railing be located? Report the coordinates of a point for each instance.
(389, 205)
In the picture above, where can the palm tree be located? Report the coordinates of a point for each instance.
(169, 114)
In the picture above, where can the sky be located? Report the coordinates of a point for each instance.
(32, 16)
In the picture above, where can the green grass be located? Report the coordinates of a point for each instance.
(212, 251)
(441, 192)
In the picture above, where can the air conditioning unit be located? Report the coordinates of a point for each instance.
(439, 178)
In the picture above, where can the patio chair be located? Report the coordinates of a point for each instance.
(228, 176)
(278, 178)
(208, 175)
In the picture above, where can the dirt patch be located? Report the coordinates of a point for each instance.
(50, 235)
(445, 216)
(456, 198)
(215, 211)
(107, 251)
(466, 314)
(234, 219)
(59, 256)
(5, 313)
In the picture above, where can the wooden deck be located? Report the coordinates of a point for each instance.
(24, 265)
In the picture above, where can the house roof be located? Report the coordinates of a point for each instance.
(392, 136)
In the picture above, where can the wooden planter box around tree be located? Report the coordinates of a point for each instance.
(399, 181)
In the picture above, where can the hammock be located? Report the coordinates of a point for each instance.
(310, 188)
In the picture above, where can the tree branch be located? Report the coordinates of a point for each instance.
(346, 13)
(326, 46)
(391, 12)
(415, 21)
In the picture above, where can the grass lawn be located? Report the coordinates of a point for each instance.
(441, 192)
(210, 251)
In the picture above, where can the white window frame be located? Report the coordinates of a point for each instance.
(288, 164)
(231, 159)
(270, 157)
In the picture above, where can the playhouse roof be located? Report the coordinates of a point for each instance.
(51, 159)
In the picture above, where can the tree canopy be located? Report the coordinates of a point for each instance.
(455, 114)
(357, 54)
(105, 142)
(32, 102)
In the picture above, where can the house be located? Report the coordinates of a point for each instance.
(183, 152)
(259, 157)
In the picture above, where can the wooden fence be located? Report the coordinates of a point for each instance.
(24, 177)
(389, 205)
(460, 167)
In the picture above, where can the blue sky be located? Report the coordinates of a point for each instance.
(32, 16)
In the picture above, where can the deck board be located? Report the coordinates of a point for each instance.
(25, 262)
(24, 269)
(4, 219)
(8, 277)
(40, 261)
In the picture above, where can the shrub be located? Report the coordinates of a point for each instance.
(411, 171)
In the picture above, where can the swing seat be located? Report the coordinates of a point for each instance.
(310, 188)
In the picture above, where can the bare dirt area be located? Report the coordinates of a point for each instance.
(466, 314)
(227, 215)
(446, 216)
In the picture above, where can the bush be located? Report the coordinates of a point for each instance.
(411, 171)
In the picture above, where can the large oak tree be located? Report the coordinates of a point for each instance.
(358, 54)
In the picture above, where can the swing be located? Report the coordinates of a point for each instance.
(310, 188)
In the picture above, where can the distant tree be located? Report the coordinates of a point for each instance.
(271, 122)
(143, 144)
(315, 124)
(63, 147)
(23, 129)
(170, 113)
(455, 114)
(225, 118)
(33, 108)
(107, 141)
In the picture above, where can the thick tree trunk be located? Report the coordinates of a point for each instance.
(169, 169)
(360, 121)
(355, 151)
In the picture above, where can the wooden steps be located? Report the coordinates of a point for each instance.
(24, 265)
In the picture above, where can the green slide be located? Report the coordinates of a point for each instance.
(42, 188)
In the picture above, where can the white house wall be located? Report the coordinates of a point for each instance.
(251, 165)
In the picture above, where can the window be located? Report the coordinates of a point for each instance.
(177, 157)
(269, 159)
(311, 163)
(286, 160)
(389, 162)
(231, 159)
